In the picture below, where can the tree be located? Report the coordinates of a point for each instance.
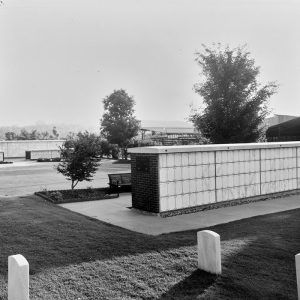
(235, 104)
(24, 135)
(109, 150)
(44, 135)
(10, 135)
(118, 124)
(105, 148)
(80, 156)
(55, 133)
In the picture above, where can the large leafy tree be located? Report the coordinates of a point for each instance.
(80, 156)
(235, 103)
(118, 124)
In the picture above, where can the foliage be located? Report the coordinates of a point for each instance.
(10, 135)
(32, 135)
(55, 133)
(109, 150)
(105, 148)
(78, 195)
(54, 159)
(235, 104)
(80, 156)
(115, 151)
(56, 196)
(118, 124)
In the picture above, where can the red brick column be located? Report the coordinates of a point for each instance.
(145, 181)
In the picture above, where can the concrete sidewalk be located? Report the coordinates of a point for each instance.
(116, 212)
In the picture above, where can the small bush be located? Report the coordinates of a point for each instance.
(56, 196)
(55, 159)
(80, 157)
(77, 195)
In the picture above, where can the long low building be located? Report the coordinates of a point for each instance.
(169, 133)
(186, 178)
(286, 131)
(17, 149)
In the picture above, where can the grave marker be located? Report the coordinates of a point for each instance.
(297, 260)
(18, 278)
(209, 251)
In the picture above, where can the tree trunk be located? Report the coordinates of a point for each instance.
(125, 153)
(74, 184)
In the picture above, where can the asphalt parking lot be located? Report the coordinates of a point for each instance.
(25, 177)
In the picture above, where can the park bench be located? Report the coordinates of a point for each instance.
(118, 181)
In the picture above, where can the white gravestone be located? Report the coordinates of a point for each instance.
(18, 278)
(209, 251)
(297, 259)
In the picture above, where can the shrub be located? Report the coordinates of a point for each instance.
(80, 156)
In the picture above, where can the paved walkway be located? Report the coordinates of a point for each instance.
(116, 212)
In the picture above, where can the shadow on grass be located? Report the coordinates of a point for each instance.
(191, 287)
(257, 268)
(50, 236)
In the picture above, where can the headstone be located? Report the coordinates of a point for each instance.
(297, 259)
(209, 251)
(18, 278)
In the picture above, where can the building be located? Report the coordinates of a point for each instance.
(277, 119)
(168, 133)
(286, 131)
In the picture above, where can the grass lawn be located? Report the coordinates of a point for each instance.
(74, 257)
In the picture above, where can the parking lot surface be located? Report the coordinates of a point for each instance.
(26, 177)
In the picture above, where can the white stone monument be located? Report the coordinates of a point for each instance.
(209, 251)
(297, 259)
(18, 278)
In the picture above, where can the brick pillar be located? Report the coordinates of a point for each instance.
(145, 181)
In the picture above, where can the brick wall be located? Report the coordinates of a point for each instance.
(184, 177)
(191, 179)
(145, 182)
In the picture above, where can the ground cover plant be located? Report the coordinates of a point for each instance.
(56, 159)
(75, 257)
(76, 195)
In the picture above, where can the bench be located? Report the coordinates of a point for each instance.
(117, 181)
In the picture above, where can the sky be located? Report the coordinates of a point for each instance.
(60, 58)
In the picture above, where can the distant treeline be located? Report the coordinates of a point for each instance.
(40, 131)
(32, 135)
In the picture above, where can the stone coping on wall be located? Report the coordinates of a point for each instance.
(211, 147)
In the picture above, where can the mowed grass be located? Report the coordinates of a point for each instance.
(75, 257)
